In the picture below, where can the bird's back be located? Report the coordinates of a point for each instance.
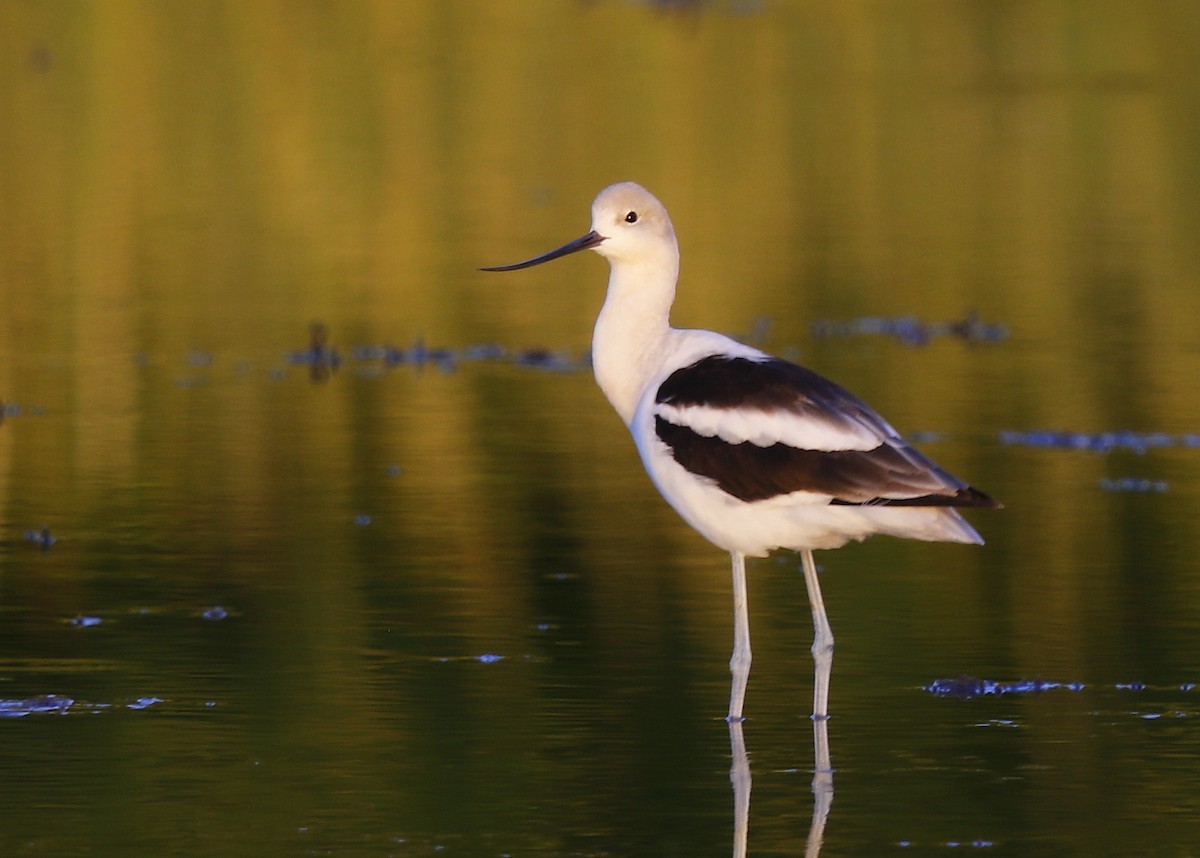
(757, 453)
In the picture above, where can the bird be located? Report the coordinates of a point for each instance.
(754, 452)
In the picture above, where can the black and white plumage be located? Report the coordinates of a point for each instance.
(697, 406)
(753, 452)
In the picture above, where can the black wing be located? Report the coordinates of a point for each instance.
(891, 472)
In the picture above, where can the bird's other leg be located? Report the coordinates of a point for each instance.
(822, 648)
(739, 663)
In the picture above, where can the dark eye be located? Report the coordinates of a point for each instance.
(631, 217)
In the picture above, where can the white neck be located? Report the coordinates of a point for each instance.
(630, 337)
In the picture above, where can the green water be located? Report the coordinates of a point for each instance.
(456, 619)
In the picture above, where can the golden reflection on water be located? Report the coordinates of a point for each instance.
(210, 177)
(186, 187)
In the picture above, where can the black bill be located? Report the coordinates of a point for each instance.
(584, 242)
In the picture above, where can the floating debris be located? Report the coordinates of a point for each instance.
(214, 614)
(485, 351)
(483, 658)
(82, 621)
(321, 360)
(447, 359)
(362, 520)
(15, 409)
(419, 355)
(1133, 484)
(442, 358)
(42, 703)
(546, 359)
(369, 352)
(43, 538)
(969, 688)
(912, 331)
(57, 704)
(1098, 442)
(144, 703)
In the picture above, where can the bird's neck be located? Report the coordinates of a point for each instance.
(632, 330)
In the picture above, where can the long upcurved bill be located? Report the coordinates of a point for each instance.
(584, 242)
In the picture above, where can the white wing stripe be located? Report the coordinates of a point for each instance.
(766, 428)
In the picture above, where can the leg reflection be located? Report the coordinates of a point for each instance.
(739, 776)
(822, 787)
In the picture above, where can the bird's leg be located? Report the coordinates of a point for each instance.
(822, 648)
(739, 663)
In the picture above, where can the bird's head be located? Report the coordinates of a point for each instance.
(629, 225)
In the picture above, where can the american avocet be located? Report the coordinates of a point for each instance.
(754, 452)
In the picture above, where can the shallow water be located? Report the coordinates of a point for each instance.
(420, 599)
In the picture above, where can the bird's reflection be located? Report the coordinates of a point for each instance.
(822, 787)
(822, 784)
(739, 776)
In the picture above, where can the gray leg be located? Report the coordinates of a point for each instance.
(822, 648)
(739, 664)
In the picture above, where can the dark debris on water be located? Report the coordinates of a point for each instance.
(1133, 484)
(9, 409)
(209, 613)
(912, 331)
(970, 687)
(446, 359)
(57, 704)
(418, 355)
(322, 359)
(42, 703)
(1098, 442)
(43, 538)
(482, 658)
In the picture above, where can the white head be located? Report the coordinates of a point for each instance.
(628, 226)
(632, 230)
(634, 224)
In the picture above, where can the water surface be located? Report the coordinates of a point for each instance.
(424, 601)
